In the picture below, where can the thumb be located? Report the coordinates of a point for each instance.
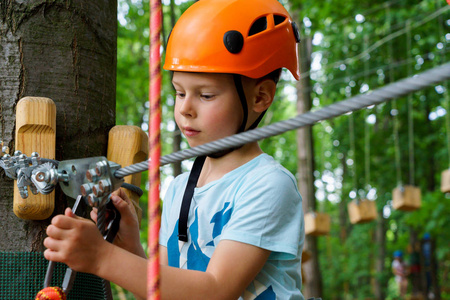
(120, 204)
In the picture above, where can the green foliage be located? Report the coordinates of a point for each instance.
(351, 55)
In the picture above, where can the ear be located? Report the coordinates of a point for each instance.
(264, 94)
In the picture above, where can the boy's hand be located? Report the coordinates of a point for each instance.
(128, 235)
(76, 242)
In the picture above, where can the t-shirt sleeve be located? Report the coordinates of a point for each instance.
(268, 214)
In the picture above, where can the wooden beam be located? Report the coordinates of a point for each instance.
(128, 145)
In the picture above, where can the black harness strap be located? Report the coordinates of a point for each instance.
(187, 198)
(199, 161)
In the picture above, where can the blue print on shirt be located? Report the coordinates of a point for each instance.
(196, 260)
(220, 219)
(268, 294)
(173, 252)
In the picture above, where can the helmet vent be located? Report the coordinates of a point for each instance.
(258, 26)
(278, 19)
(233, 41)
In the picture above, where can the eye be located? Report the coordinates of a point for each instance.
(207, 96)
(180, 95)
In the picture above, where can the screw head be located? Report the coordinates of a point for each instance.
(40, 176)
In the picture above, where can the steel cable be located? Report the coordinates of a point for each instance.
(391, 91)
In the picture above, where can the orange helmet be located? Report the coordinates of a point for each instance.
(246, 37)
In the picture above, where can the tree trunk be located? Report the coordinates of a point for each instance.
(305, 153)
(176, 145)
(66, 51)
(380, 237)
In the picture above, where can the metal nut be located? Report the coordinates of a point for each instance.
(101, 168)
(86, 189)
(91, 175)
(97, 191)
(104, 185)
(92, 200)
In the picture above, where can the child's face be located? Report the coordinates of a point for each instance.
(207, 106)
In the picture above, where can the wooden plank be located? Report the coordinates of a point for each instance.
(128, 145)
(35, 132)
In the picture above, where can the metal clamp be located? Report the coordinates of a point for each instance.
(91, 177)
(21, 167)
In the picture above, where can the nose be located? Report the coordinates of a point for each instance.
(186, 107)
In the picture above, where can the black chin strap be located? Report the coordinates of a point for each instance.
(199, 161)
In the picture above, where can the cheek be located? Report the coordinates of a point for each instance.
(225, 123)
(176, 113)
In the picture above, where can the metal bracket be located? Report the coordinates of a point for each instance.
(92, 177)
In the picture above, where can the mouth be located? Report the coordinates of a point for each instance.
(190, 132)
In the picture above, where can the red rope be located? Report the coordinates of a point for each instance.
(155, 150)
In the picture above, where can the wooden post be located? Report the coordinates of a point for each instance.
(362, 211)
(128, 145)
(35, 132)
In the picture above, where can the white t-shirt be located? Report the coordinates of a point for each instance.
(259, 204)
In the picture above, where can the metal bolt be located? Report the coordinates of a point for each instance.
(17, 152)
(104, 185)
(100, 168)
(97, 191)
(60, 176)
(86, 189)
(34, 154)
(40, 176)
(91, 175)
(5, 149)
(92, 200)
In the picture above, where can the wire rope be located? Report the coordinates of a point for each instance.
(380, 95)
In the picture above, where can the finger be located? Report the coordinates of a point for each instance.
(63, 221)
(55, 232)
(52, 244)
(53, 255)
(121, 193)
(94, 215)
(121, 205)
(69, 213)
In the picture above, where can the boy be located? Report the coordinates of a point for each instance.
(400, 270)
(233, 227)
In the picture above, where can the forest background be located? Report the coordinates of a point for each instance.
(66, 50)
(348, 47)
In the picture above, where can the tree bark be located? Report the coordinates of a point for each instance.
(380, 237)
(305, 153)
(66, 51)
(176, 145)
